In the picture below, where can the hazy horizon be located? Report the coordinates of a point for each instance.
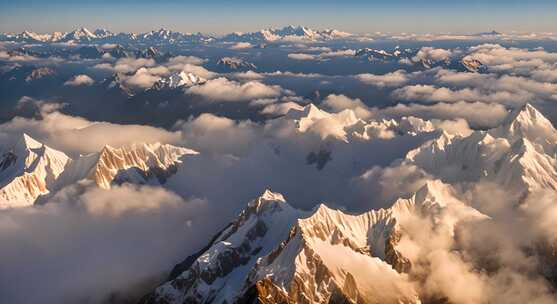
(220, 17)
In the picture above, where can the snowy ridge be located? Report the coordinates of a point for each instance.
(287, 33)
(136, 163)
(519, 154)
(345, 125)
(273, 253)
(27, 171)
(31, 169)
(218, 274)
(83, 35)
(236, 63)
(178, 80)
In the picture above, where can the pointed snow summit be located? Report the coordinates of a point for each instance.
(80, 34)
(520, 154)
(27, 171)
(527, 122)
(179, 80)
(31, 169)
(273, 253)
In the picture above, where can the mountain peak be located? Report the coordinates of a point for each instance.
(272, 196)
(268, 200)
(26, 142)
(30, 171)
(179, 79)
(526, 113)
(82, 32)
(527, 122)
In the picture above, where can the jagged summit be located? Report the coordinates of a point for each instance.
(29, 170)
(268, 195)
(179, 80)
(321, 256)
(235, 63)
(27, 142)
(80, 34)
(137, 163)
(290, 32)
(528, 122)
(519, 154)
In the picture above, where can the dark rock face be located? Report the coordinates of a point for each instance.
(7, 160)
(393, 257)
(320, 159)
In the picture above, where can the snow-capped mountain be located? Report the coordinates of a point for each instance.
(473, 65)
(78, 35)
(102, 33)
(83, 35)
(178, 80)
(349, 126)
(383, 55)
(31, 169)
(138, 164)
(520, 154)
(408, 56)
(286, 33)
(235, 63)
(273, 253)
(27, 171)
(165, 35)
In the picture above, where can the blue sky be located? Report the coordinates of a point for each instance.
(243, 15)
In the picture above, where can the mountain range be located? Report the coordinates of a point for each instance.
(99, 36)
(31, 169)
(274, 253)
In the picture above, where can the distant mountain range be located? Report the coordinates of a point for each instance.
(83, 35)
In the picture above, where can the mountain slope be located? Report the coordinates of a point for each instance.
(519, 155)
(27, 171)
(138, 163)
(273, 253)
(178, 80)
(287, 33)
(31, 169)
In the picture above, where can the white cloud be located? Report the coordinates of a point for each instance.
(241, 46)
(338, 103)
(66, 133)
(477, 114)
(301, 56)
(197, 70)
(119, 242)
(142, 78)
(322, 56)
(79, 80)
(249, 75)
(185, 60)
(213, 134)
(392, 79)
(278, 109)
(222, 89)
(126, 65)
(432, 54)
